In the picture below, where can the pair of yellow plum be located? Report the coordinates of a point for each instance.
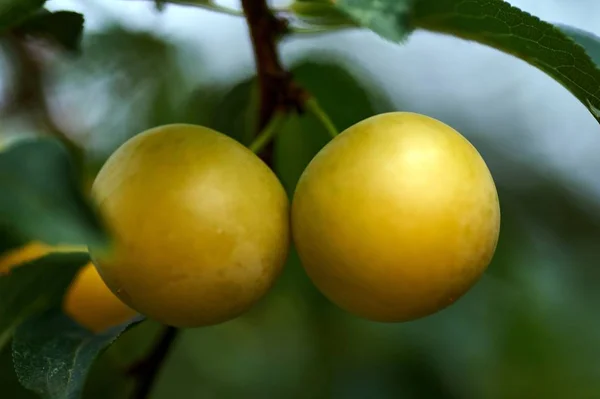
(394, 219)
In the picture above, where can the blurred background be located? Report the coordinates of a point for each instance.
(528, 329)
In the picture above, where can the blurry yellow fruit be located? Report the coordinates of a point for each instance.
(200, 224)
(92, 304)
(396, 218)
(88, 301)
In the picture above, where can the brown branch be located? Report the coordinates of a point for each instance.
(277, 88)
(146, 370)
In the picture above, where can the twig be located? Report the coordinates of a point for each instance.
(265, 30)
(277, 89)
(146, 370)
(313, 106)
(264, 138)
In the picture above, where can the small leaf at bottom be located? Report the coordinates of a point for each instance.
(53, 354)
(35, 287)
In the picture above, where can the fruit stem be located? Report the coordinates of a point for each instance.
(146, 370)
(267, 134)
(315, 108)
(278, 91)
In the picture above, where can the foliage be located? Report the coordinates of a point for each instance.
(53, 354)
(42, 199)
(35, 287)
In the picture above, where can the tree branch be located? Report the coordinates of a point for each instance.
(146, 371)
(278, 92)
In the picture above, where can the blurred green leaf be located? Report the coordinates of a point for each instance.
(13, 12)
(35, 287)
(137, 77)
(294, 149)
(105, 379)
(498, 24)
(589, 41)
(237, 113)
(42, 198)
(53, 354)
(64, 28)
(413, 374)
(388, 18)
(200, 107)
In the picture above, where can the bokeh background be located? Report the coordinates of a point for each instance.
(529, 329)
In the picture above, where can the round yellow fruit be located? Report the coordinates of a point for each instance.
(88, 300)
(396, 218)
(92, 304)
(200, 225)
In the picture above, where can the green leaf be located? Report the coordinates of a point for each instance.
(53, 354)
(388, 18)
(236, 114)
(498, 24)
(9, 239)
(41, 196)
(589, 41)
(35, 287)
(494, 23)
(62, 27)
(591, 44)
(13, 12)
(199, 106)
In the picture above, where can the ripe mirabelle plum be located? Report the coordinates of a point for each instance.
(200, 225)
(396, 218)
(88, 300)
